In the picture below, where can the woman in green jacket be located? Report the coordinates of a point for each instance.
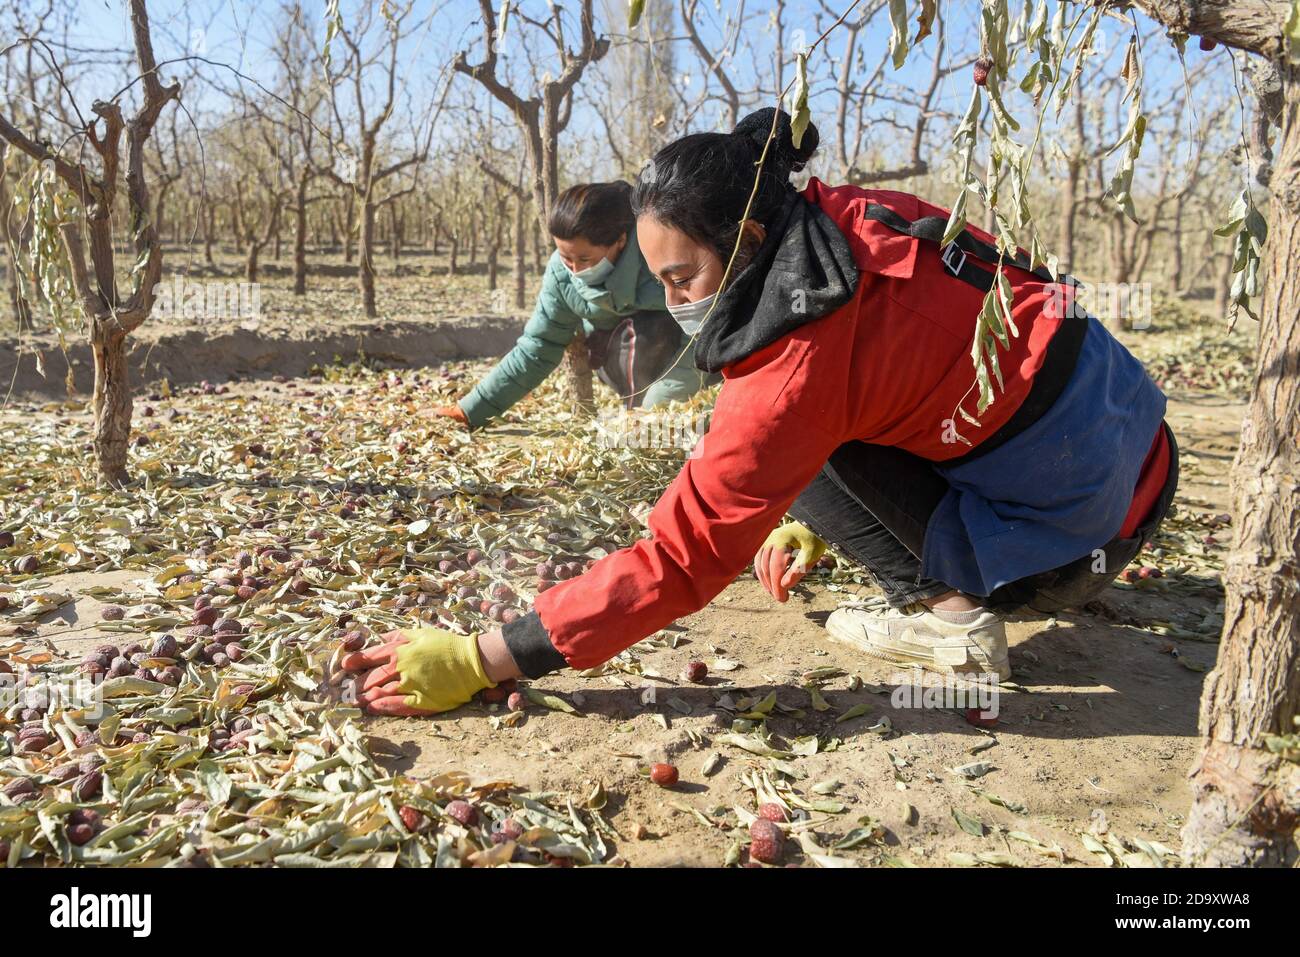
(596, 280)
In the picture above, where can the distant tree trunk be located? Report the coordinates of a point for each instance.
(349, 224)
(300, 235)
(453, 266)
(160, 207)
(494, 245)
(1223, 284)
(521, 250)
(395, 228)
(209, 232)
(1176, 248)
(251, 257)
(1069, 216)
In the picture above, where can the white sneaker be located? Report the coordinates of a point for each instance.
(915, 635)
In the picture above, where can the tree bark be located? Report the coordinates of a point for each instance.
(577, 375)
(1245, 799)
(112, 403)
(366, 259)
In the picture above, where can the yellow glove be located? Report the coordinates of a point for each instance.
(792, 535)
(772, 565)
(419, 671)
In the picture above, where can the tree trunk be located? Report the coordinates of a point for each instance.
(251, 260)
(112, 402)
(300, 239)
(1245, 800)
(453, 265)
(366, 259)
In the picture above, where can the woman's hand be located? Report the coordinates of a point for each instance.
(451, 412)
(772, 565)
(418, 671)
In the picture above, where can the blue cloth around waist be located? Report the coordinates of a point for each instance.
(1059, 489)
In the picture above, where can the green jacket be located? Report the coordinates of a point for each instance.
(563, 303)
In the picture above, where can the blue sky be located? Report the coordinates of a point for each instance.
(236, 32)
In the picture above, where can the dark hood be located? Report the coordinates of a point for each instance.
(803, 270)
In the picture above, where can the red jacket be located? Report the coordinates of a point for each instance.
(889, 367)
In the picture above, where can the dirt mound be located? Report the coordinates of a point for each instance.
(207, 352)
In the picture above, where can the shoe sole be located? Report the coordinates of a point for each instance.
(899, 656)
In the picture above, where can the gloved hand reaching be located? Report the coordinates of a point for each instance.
(451, 412)
(773, 565)
(418, 671)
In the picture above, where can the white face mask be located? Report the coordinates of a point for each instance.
(595, 275)
(690, 315)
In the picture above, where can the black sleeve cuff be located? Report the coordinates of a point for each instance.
(530, 646)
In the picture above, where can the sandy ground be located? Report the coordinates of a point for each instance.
(1096, 732)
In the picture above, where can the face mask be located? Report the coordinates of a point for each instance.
(595, 275)
(690, 315)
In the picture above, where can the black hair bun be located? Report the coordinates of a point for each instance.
(758, 125)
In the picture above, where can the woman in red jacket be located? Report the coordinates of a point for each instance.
(843, 333)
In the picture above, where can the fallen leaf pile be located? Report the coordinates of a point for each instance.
(271, 529)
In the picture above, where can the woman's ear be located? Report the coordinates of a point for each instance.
(752, 234)
(619, 245)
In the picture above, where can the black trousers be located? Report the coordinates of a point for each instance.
(873, 503)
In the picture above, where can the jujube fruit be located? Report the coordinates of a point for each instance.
(664, 775)
(164, 647)
(462, 812)
(412, 818)
(766, 841)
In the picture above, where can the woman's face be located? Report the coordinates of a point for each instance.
(688, 270)
(579, 254)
